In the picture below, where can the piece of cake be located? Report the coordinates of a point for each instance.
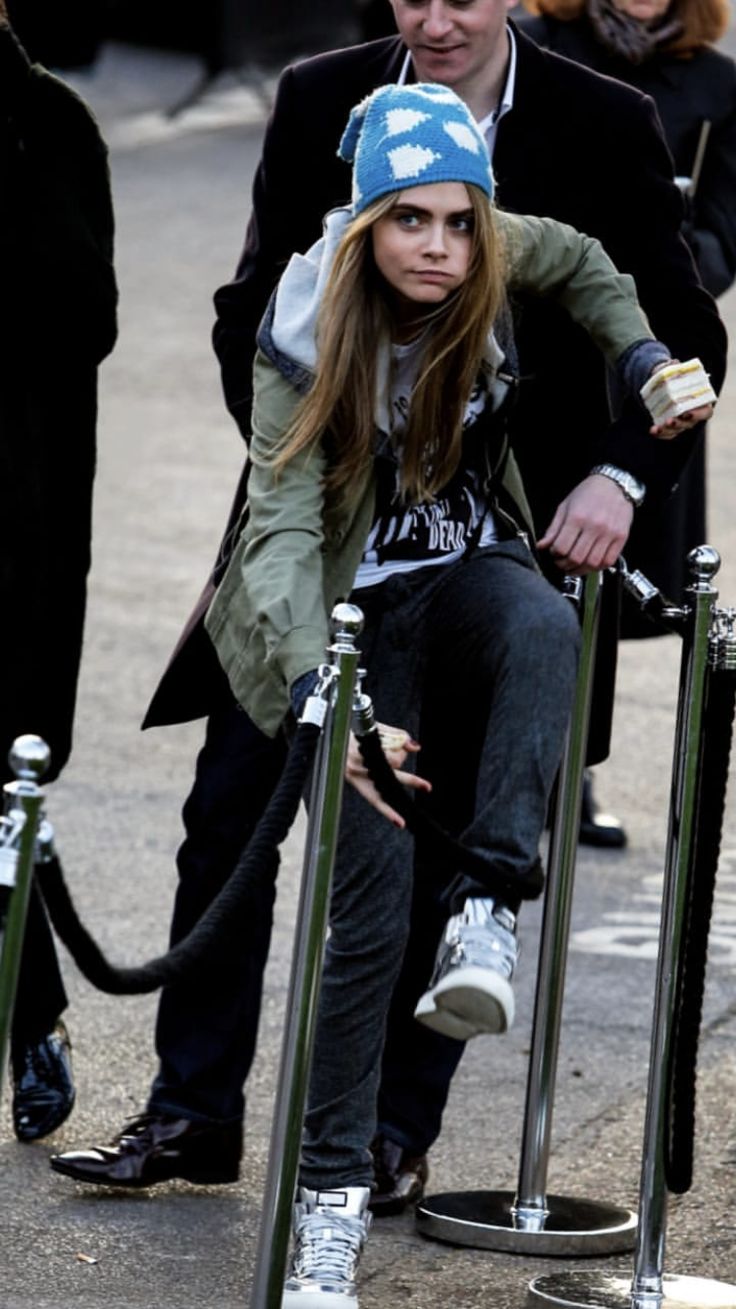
(677, 388)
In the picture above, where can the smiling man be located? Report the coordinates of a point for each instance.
(564, 143)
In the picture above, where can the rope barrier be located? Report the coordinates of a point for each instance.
(217, 929)
(717, 734)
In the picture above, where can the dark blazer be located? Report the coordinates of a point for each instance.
(687, 93)
(575, 146)
(57, 321)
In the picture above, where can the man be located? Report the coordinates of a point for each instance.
(564, 143)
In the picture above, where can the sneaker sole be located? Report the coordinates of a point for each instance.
(318, 1299)
(476, 999)
(448, 1024)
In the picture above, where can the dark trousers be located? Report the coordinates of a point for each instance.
(40, 998)
(206, 1030)
(205, 1035)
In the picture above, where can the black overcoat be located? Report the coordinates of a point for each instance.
(575, 146)
(688, 92)
(57, 321)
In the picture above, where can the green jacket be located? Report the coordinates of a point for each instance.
(269, 618)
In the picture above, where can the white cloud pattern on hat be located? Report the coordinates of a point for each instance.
(403, 120)
(411, 160)
(463, 136)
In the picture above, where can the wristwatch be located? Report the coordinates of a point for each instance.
(632, 489)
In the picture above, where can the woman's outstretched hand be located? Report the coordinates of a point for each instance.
(397, 746)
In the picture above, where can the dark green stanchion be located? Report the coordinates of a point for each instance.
(336, 697)
(650, 1287)
(29, 759)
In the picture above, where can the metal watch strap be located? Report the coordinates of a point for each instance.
(631, 487)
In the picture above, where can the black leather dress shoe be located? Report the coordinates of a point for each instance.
(157, 1148)
(43, 1089)
(400, 1177)
(597, 829)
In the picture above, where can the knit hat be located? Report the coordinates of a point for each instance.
(403, 136)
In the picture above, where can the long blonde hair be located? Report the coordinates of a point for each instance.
(354, 319)
(703, 21)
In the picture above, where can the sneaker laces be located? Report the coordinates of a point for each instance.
(328, 1247)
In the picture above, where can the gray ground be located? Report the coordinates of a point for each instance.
(169, 455)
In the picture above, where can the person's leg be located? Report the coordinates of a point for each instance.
(43, 1087)
(41, 997)
(469, 639)
(509, 631)
(206, 1030)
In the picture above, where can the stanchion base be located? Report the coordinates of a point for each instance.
(484, 1219)
(599, 1290)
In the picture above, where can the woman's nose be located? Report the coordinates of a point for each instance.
(436, 243)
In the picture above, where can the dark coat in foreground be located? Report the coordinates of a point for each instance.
(688, 93)
(577, 147)
(57, 321)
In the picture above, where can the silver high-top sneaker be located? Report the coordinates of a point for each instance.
(329, 1230)
(470, 991)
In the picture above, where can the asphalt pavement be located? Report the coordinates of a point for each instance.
(168, 460)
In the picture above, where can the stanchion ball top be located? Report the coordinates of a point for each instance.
(704, 562)
(29, 757)
(346, 620)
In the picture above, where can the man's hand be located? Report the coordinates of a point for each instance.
(357, 774)
(590, 527)
(673, 426)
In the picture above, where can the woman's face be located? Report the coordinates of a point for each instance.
(644, 10)
(423, 246)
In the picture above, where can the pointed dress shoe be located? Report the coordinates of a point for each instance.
(158, 1148)
(400, 1177)
(43, 1089)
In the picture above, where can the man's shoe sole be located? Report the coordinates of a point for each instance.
(468, 1002)
(197, 1176)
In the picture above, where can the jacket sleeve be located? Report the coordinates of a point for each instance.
(282, 557)
(548, 258)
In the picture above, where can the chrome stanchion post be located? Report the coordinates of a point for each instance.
(29, 759)
(650, 1288)
(530, 1221)
(336, 690)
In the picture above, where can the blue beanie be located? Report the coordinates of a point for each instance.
(403, 136)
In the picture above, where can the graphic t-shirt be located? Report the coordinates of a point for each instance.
(403, 536)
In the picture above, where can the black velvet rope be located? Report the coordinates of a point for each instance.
(425, 829)
(217, 931)
(716, 738)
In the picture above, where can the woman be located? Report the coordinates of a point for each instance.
(381, 470)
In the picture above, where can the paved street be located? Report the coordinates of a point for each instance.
(168, 459)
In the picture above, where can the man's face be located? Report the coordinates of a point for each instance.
(452, 40)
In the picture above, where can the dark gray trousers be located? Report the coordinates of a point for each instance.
(478, 660)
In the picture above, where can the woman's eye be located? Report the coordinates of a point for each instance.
(463, 224)
(408, 220)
